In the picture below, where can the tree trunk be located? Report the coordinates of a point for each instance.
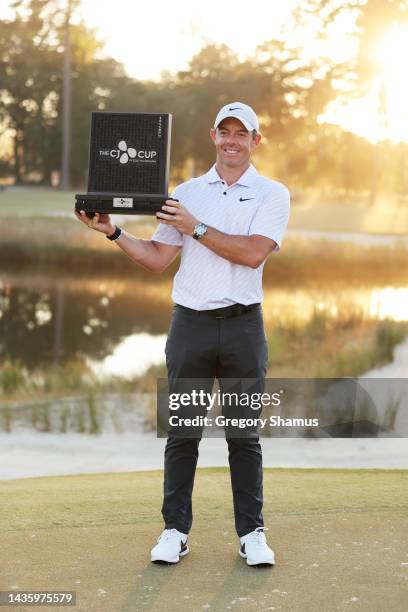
(17, 161)
(66, 104)
(375, 171)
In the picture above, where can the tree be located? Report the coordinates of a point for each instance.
(371, 19)
(31, 89)
(28, 77)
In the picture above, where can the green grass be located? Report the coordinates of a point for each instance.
(341, 217)
(35, 202)
(331, 347)
(309, 211)
(30, 237)
(337, 535)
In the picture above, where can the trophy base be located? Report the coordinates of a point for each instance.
(110, 203)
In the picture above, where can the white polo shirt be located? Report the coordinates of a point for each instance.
(252, 205)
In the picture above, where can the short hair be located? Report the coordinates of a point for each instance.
(253, 132)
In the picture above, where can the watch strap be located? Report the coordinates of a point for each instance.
(115, 234)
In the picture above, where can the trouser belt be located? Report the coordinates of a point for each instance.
(222, 313)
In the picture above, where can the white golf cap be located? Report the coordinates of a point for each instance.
(240, 111)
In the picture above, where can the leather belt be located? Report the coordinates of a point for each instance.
(222, 313)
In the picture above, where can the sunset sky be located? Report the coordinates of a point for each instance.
(151, 37)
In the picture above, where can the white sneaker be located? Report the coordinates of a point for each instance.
(171, 545)
(255, 549)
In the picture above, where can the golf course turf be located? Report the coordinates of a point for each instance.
(340, 539)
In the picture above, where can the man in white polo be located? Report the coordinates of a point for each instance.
(225, 223)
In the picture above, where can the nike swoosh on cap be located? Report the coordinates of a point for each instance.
(235, 108)
(245, 199)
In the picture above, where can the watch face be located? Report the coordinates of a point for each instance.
(199, 230)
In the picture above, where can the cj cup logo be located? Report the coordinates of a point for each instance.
(127, 154)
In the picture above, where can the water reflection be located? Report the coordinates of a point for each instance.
(301, 304)
(389, 302)
(43, 320)
(132, 357)
(119, 326)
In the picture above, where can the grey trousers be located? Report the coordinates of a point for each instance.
(200, 346)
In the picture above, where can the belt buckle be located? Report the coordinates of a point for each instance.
(221, 315)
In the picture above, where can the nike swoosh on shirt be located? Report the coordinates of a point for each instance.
(245, 199)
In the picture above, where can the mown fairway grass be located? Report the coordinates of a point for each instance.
(40, 230)
(35, 201)
(308, 211)
(340, 538)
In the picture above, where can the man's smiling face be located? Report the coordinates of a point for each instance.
(233, 143)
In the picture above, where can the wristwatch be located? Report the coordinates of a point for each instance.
(199, 231)
(116, 234)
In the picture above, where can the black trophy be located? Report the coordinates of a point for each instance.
(129, 157)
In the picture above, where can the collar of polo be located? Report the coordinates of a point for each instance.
(246, 179)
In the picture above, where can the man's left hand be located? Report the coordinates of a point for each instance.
(176, 215)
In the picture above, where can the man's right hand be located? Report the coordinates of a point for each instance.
(101, 222)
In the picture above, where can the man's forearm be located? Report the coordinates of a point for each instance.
(142, 252)
(236, 249)
(248, 251)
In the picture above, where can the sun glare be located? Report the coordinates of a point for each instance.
(383, 113)
(392, 53)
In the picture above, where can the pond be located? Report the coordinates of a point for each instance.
(119, 325)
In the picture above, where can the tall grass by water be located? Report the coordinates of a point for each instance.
(41, 234)
(324, 347)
